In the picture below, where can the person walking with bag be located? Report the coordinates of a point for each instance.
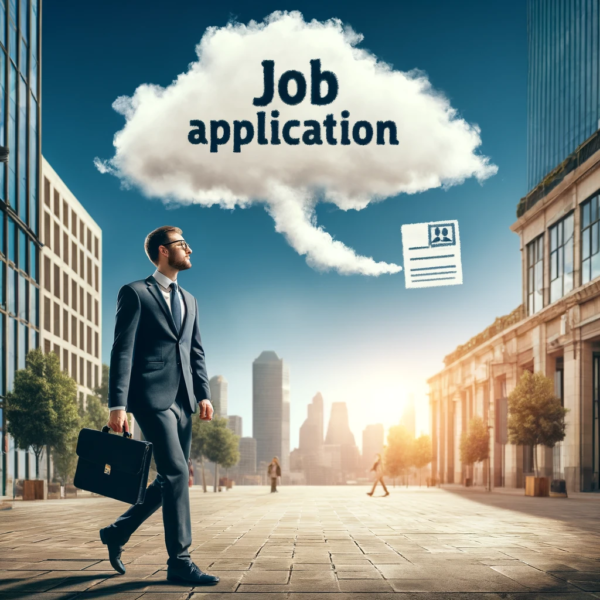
(378, 468)
(158, 372)
(274, 471)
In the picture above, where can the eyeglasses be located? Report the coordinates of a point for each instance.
(183, 244)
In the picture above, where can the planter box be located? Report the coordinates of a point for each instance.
(54, 491)
(35, 489)
(468, 482)
(70, 491)
(537, 486)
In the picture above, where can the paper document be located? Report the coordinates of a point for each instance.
(431, 254)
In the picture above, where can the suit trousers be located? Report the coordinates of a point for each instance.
(170, 432)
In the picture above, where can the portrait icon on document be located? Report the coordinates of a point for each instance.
(431, 254)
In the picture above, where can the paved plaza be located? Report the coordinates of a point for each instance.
(307, 543)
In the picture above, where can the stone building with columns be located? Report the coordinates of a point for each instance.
(556, 331)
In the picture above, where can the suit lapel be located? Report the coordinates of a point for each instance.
(185, 295)
(155, 291)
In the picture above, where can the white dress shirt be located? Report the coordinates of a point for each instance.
(163, 284)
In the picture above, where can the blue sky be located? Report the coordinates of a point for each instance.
(364, 340)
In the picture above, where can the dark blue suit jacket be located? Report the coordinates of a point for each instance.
(148, 356)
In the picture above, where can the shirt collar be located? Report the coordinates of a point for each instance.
(163, 279)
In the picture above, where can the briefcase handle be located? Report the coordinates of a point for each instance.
(106, 429)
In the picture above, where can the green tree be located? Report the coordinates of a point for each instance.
(95, 414)
(422, 453)
(475, 443)
(399, 451)
(199, 435)
(221, 446)
(41, 410)
(535, 415)
(102, 389)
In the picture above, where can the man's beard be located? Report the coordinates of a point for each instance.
(180, 265)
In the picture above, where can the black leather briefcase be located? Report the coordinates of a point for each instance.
(112, 465)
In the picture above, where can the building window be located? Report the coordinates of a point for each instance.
(535, 275)
(56, 204)
(561, 258)
(82, 233)
(81, 337)
(47, 230)
(89, 382)
(47, 273)
(65, 214)
(47, 316)
(74, 256)
(65, 360)
(74, 335)
(56, 281)
(74, 295)
(590, 247)
(46, 191)
(65, 326)
(66, 289)
(73, 223)
(56, 320)
(96, 246)
(89, 341)
(81, 371)
(96, 346)
(89, 306)
(81, 265)
(96, 315)
(74, 366)
(66, 248)
(81, 304)
(89, 271)
(96, 278)
(56, 246)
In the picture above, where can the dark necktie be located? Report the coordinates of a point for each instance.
(175, 306)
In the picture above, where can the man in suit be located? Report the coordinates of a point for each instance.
(158, 372)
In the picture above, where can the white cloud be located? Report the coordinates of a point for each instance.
(436, 147)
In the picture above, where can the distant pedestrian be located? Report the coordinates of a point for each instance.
(274, 471)
(378, 468)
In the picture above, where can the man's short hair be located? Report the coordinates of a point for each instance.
(157, 238)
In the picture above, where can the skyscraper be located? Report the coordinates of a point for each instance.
(218, 394)
(247, 464)
(271, 409)
(311, 431)
(563, 88)
(338, 433)
(372, 444)
(20, 132)
(235, 424)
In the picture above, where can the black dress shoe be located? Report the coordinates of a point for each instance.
(190, 574)
(114, 553)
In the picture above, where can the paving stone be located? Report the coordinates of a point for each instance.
(335, 544)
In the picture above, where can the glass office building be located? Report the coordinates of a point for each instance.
(563, 105)
(20, 88)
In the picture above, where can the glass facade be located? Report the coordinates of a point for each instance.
(590, 247)
(561, 258)
(563, 105)
(535, 275)
(19, 185)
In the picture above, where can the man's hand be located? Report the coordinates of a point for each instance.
(206, 410)
(117, 421)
